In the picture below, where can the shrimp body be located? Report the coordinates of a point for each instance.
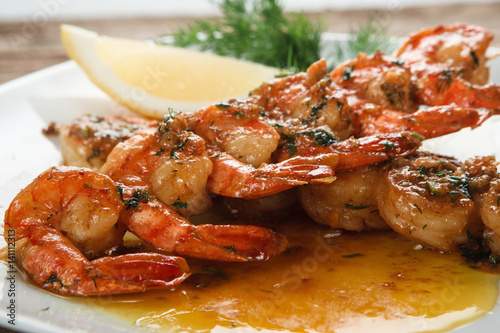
(234, 179)
(459, 47)
(169, 162)
(68, 215)
(87, 141)
(348, 203)
(384, 98)
(164, 173)
(308, 100)
(425, 199)
(446, 88)
(354, 152)
(238, 129)
(430, 122)
(377, 79)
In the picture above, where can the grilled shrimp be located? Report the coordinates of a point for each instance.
(349, 203)
(241, 143)
(436, 201)
(458, 47)
(307, 99)
(168, 169)
(353, 153)
(68, 215)
(87, 140)
(427, 199)
(382, 97)
(448, 65)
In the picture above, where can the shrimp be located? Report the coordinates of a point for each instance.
(353, 153)
(459, 47)
(165, 171)
(238, 129)
(445, 87)
(381, 95)
(436, 201)
(484, 185)
(88, 140)
(426, 198)
(68, 215)
(169, 162)
(448, 64)
(348, 203)
(310, 99)
(234, 179)
(429, 122)
(376, 79)
(241, 143)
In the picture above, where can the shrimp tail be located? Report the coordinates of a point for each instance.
(443, 88)
(167, 231)
(240, 242)
(360, 152)
(68, 272)
(232, 178)
(430, 123)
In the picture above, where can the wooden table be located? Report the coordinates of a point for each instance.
(24, 49)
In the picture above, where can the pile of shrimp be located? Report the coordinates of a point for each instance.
(351, 135)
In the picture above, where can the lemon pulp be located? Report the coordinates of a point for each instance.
(150, 79)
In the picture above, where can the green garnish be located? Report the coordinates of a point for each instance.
(178, 147)
(260, 31)
(180, 204)
(388, 144)
(356, 206)
(290, 145)
(433, 189)
(136, 198)
(367, 38)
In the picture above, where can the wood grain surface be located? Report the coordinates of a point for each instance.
(26, 47)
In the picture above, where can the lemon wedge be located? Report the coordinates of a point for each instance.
(150, 79)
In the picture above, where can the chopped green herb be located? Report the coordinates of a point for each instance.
(223, 105)
(137, 197)
(416, 206)
(474, 58)
(418, 136)
(178, 147)
(239, 114)
(290, 145)
(258, 31)
(444, 81)
(317, 108)
(433, 188)
(180, 204)
(356, 206)
(346, 74)
(388, 144)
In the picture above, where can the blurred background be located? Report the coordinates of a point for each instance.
(29, 29)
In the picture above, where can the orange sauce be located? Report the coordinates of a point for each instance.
(326, 281)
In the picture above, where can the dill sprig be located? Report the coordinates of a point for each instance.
(257, 31)
(261, 32)
(367, 38)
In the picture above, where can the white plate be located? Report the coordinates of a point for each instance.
(62, 92)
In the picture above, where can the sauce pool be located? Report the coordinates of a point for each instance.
(325, 281)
